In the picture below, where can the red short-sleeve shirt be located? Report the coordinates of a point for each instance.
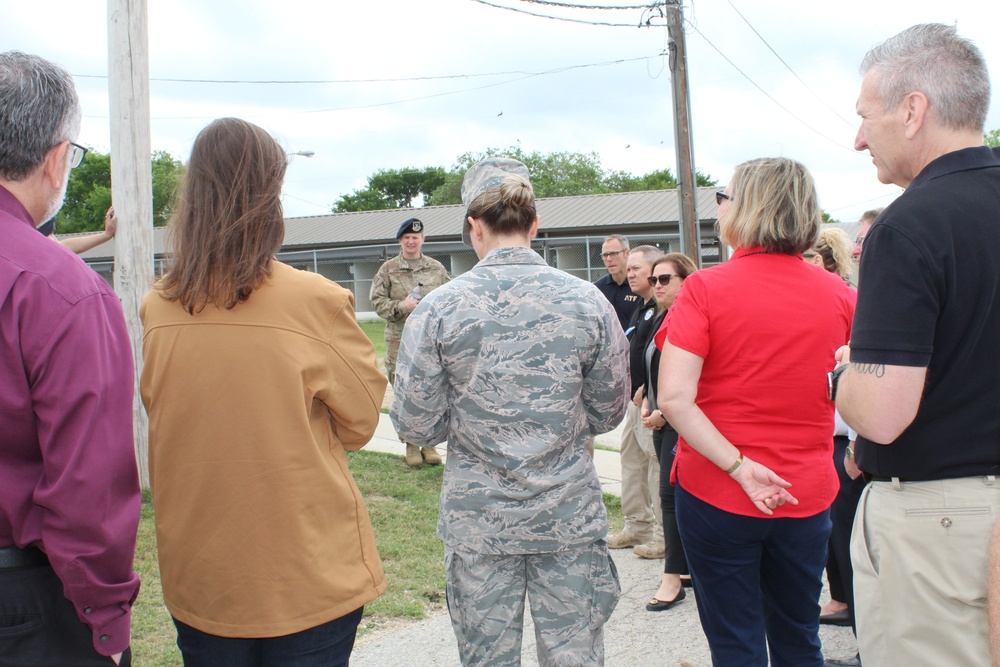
(767, 326)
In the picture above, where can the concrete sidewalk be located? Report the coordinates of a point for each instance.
(632, 637)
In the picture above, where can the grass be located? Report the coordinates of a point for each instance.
(375, 330)
(403, 504)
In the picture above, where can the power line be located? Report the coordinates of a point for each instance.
(559, 18)
(439, 77)
(570, 5)
(766, 94)
(788, 67)
(527, 75)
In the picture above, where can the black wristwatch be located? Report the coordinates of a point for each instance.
(832, 380)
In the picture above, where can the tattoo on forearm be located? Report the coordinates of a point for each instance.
(878, 370)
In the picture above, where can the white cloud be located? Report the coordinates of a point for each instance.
(621, 111)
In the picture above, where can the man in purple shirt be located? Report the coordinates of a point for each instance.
(69, 496)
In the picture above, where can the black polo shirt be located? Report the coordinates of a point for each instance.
(622, 298)
(929, 297)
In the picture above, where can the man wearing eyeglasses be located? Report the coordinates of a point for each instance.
(864, 225)
(640, 468)
(614, 286)
(919, 380)
(69, 499)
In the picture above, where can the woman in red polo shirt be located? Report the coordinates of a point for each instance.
(746, 350)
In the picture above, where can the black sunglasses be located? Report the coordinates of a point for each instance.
(720, 195)
(663, 278)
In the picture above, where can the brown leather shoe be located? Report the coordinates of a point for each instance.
(431, 456)
(413, 458)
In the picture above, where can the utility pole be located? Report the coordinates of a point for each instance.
(687, 183)
(132, 179)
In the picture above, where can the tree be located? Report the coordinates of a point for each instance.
(557, 174)
(392, 188)
(88, 193)
(992, 138)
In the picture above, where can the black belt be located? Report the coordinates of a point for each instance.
(871, 477)
(12, 557)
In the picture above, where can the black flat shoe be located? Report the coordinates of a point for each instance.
(660, 605)
(841, 618)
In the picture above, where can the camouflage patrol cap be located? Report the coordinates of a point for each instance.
(483, 177)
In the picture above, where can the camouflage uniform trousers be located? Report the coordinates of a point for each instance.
(572, 594)
(391, 352)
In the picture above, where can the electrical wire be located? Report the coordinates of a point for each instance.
(439, 77)
(570, 5)
(767, 95)
(528, 75)
(788, 67)
(559, 18)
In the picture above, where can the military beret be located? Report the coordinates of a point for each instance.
(410, 226)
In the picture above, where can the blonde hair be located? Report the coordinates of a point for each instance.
(834, 246)
(508, 208)
(774, 205)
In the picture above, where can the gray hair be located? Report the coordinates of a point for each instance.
(649, 253)
(948, 69)
(39, 108)
(618, 237)
(871, 215)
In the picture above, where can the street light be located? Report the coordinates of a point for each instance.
(303, 153)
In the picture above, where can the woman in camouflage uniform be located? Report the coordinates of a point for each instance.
(518, 365)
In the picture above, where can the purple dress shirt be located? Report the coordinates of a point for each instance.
(68, 479)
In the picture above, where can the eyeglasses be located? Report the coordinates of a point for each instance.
(76, 155)
(609, 255)
(720, 196)
(860, 241)
(663, 278)
(808, 255)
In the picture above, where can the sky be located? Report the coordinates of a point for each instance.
(401, 83)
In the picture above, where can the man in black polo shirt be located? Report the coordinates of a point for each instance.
(615, 285)
(921, 380)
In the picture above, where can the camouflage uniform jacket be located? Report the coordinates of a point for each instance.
(395, 280)
(518, 365)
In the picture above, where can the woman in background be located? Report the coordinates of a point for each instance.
(517, 365)
(668, 274)
(743, 379)
(257, 379)
(833, 252)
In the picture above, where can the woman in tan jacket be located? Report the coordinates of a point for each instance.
(257, 380)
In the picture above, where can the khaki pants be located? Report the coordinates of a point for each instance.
(921, 553)
(640, 479)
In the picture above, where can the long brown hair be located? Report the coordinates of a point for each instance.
(228, 222)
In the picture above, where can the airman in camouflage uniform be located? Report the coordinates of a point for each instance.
(392, 297)
(518, 365)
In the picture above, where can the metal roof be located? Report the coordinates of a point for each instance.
(558, 216)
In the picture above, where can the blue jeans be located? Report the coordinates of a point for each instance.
(327, 645)
(757, 581)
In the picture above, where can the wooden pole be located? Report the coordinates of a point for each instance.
(687, 183)
(132, 183)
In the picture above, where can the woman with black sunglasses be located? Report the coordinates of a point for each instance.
(668, 274)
